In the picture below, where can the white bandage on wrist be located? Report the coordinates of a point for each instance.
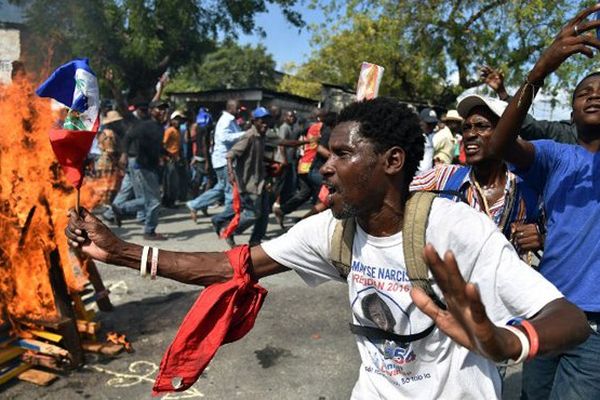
(524, 345)
(144, 262)
(154, 263)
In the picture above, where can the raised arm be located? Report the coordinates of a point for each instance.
(571, 40)
(531, 129)
(160, 86)
(94, 239)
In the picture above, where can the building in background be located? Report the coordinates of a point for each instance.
(11, 27)
(214, 100)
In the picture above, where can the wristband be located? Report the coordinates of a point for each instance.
(534, 340)
(154, 263)
(144, 261)
(524, 344)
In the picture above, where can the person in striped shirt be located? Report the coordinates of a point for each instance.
(486, 183)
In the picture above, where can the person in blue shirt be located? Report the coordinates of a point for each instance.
(227, 132)
(566, 175)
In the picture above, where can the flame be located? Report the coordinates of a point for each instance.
(119, 338)
(34, 200)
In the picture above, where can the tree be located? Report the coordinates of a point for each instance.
(230, 66)
(423, 44)
(137, 40)
(298, 81)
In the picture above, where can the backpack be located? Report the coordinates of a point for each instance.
(416, 216)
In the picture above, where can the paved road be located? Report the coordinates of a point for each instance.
(300, 347)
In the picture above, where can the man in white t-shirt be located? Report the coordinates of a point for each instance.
(375, 150)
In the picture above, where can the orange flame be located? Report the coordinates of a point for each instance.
(119, 338)
(34, 200)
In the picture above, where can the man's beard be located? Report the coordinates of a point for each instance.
(347, 211)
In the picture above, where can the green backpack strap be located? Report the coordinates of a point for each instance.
(416, 215)
(341, 246)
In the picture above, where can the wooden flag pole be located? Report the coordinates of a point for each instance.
(77, 203)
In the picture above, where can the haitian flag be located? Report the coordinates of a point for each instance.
(74, 84)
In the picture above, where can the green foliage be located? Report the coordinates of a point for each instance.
(230, 66)
(300, 83)
(135, 39)
(432, 49)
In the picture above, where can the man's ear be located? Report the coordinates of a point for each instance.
(394, 160)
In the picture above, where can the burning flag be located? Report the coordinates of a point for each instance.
(74, 84)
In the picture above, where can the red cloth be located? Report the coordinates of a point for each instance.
(71, 149)
(237, 209)
(310, 149)
(223, 313)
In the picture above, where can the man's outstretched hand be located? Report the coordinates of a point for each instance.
(465, 320)
(573, 38)
(88, 234)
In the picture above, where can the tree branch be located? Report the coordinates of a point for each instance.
(479, 13)
(455, 8)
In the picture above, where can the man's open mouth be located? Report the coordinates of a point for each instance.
(472, 148)
(592, 108)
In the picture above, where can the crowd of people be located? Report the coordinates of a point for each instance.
(507, 188)
(154, 156)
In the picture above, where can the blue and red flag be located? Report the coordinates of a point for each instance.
(74, 84)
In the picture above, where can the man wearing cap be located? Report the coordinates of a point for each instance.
(429, 122)
(486, 183)
(147, 137)
(227, 132)
(246, 167)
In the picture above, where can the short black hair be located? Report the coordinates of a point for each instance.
(595, 73)
(330, 119)
(386, 123)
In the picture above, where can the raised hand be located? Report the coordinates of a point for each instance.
(465, 320)
(572, 39)
(491, 77)
(88, 234)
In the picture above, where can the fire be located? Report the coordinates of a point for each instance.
(34, 200)
(119, 338)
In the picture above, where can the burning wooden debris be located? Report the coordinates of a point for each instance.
(46, 291)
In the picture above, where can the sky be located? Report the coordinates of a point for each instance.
(288, 44)
(283, 40)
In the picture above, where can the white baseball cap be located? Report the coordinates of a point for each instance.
(467, 103)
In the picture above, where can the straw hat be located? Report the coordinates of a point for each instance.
(112, 116)
(452, 115)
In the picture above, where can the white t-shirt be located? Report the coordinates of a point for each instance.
(379, 289)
